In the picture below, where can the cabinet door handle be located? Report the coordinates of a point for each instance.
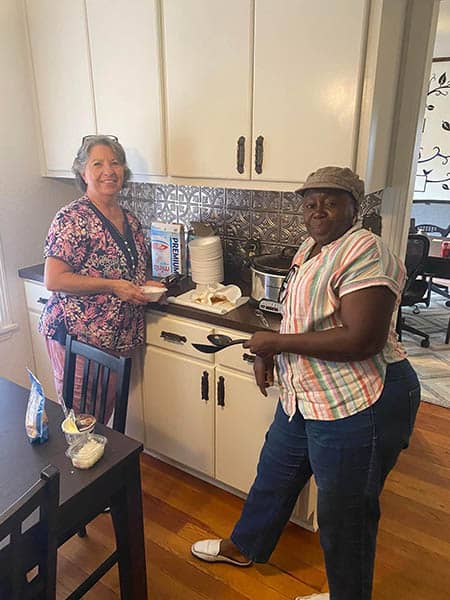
(259, 153)
(173, 337)
(240, 159)
(205, 386)
(250, 358)
(221, 391)
(42, 300)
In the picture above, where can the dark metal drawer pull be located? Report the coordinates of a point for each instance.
(205, 386)
(173, 337)
(221, 391)
(259, 154)
(250, 358)
(42, 300)
(240, 160)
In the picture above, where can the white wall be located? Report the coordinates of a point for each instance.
(430, 186)
(442, 44)
(27, 201)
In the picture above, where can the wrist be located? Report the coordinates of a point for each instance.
(277, 344)
(111, 286)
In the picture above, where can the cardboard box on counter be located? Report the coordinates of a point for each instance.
(168, 249)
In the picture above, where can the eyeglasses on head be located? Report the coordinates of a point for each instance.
(91, 137)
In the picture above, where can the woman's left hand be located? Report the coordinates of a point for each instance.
(263, 343)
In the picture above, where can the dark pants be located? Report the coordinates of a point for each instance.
(350, 459)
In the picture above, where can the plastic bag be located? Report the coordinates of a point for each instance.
(36, 422)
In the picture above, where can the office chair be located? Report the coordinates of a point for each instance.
(98, 367)
(415, 290)
(35, 546)
(427, 228)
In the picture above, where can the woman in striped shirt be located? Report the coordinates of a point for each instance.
(348, 395)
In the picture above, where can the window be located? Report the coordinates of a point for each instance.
(6, 324)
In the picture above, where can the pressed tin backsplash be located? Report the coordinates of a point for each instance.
(274, 218)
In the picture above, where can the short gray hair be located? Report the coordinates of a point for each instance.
(80, 161)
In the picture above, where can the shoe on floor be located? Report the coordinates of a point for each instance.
(314, 597)
(209, 550)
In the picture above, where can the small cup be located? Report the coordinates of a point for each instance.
(74, 437)
(86, 452)
(153, 292)
(85, 422)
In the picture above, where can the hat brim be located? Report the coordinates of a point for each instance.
(328, 186)
(323, 186)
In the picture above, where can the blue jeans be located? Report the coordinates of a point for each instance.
(350, 459)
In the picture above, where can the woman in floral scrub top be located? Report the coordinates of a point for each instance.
(95, 262)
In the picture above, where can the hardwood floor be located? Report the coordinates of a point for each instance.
(413, 556)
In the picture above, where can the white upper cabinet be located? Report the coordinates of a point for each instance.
(257, 91)
(285, 75)
(97, 70)
(60, 56)
(307, 84)
(125, 45)
(208, 64)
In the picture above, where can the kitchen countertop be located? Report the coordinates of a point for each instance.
(242, 318)
(34, 273)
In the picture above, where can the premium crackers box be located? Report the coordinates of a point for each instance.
(168, 249)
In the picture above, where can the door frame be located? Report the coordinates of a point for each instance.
(419, 35)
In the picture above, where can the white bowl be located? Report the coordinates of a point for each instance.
(153, 292)
(206, 242)
(205, 248)
(207, 268)
(206, 260)
(207, 279)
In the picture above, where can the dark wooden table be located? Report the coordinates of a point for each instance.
(114, 481)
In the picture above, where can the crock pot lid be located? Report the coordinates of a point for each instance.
(277, 264)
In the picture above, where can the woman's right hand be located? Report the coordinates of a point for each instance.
(263, 369)
(128, 291)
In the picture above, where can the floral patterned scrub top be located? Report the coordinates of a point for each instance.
(84, 239)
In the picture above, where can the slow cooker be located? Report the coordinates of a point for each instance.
(268, 273)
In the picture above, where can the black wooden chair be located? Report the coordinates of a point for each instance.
(97, 369)
(428, 228)
(416, 285)
(31, 548)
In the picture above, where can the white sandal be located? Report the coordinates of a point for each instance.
(208, 550)
(314, 597)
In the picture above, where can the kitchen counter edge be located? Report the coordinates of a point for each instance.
(241, 319)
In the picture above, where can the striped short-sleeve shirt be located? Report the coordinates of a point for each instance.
(323, 389)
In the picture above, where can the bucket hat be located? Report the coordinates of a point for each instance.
(335, 178)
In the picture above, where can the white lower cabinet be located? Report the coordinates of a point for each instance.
(243, 416)
(179, 423)
(36, 296)
(204, 411)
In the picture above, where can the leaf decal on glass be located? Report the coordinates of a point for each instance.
(430, 107)
(442, 79)
(445, 186)
(446, 125)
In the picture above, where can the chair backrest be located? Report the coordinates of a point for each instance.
(428, 228)
(35, 546)
(416, 253)
(98, 367)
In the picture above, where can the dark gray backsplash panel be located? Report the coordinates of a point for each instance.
(275, 218)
